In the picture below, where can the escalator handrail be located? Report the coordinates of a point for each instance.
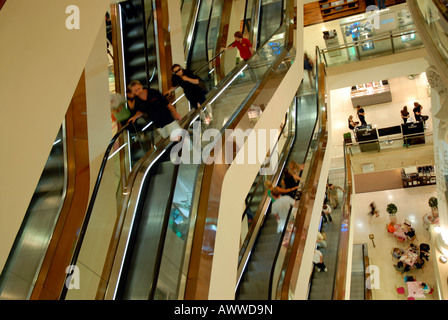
(88, 214)
(277, 253)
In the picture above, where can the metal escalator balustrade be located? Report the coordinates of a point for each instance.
(208, 205)
(258, 248)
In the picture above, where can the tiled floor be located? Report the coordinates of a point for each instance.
(412, 204)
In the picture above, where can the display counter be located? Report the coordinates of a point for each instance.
(371, 93)
(418, 176)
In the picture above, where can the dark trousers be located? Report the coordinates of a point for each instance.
(320, 265)
(326, 217)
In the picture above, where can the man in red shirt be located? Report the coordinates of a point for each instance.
(243, 45)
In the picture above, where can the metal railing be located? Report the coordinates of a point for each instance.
(374, 47)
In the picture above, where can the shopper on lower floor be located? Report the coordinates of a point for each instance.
(405, 114)
(332, 193)
(381, 4)
(361, 115)
(318, 261)
(352, 124)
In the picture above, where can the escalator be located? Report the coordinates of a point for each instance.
(265, 254)
(179, 201)
(157, 268)
(255, 279)
(19, 275)
(139, 48)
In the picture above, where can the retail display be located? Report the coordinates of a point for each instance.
(371, 93)
(329, 8)
(413, 133)
(418, 176)
(368, 139)
(331, 40)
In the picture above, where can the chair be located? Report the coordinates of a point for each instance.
(399, 290)
(424, 247)
(390, 234)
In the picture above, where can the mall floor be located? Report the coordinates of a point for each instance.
(412, 202)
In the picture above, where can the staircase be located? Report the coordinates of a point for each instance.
(255, 282)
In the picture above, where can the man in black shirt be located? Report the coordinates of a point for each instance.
(152, 103)
(361, 115)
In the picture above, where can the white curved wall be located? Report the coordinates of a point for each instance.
(41, 62)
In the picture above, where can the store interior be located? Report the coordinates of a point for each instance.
(411, 199)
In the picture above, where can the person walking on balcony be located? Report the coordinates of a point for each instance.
(332, 193)
(361, 115)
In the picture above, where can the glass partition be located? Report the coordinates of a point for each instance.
(372, 48)
(371, 34)
(389, 143)
(257, 196)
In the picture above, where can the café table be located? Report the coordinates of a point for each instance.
(409, 257)
(399, 232)
(415, 289)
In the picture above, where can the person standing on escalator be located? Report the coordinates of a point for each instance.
(152, 103)
(193, 86)
(244, 46)
(246, 51)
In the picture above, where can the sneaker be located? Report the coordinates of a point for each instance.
(326, 270)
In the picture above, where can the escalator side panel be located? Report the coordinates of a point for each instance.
(144, 254)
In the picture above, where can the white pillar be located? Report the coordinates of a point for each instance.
(438, 102)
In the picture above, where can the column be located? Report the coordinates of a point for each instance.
(439, 107)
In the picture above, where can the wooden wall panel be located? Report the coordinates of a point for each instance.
(52, 275)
